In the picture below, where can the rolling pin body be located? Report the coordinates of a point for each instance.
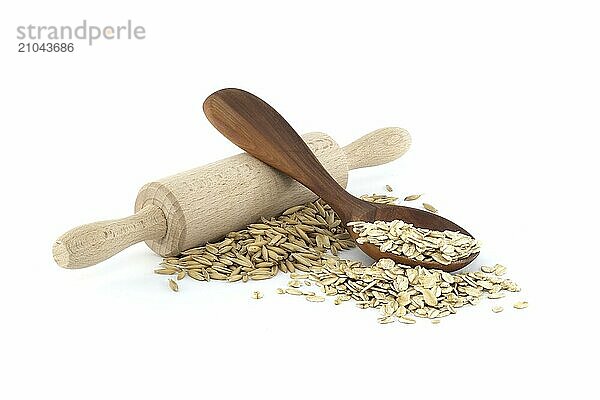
(203, 204)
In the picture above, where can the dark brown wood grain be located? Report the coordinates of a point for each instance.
(257, 128)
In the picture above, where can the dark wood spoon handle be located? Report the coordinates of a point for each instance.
(262, 132)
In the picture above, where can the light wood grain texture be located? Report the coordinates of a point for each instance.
(89, 244)
(205, 203)
(256, 127)
(377, 148)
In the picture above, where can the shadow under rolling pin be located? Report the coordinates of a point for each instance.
(204, 204)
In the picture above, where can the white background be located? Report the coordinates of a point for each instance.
(501, 99)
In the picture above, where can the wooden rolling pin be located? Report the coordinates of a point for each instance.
(204, 204)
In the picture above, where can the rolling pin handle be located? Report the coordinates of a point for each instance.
(89, 244)
(377, 148)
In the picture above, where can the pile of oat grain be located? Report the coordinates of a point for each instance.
(295, 240)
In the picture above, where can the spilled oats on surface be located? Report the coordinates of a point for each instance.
(305, 242)
(412, 197)
(402, 292)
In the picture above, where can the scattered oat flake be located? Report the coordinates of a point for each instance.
(173, 285)
(315, 298)
(429, 297)
(499, 270)
(521, 304)
(385, 320)
(435, 321)
(294, 283)
(488, 270)
(257, 295)
(389, 188)
(406, 320)
(497, 309)
(280, 291)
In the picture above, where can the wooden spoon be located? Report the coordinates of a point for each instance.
(257, 128)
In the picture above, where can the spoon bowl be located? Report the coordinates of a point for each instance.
(419, 218)
(254, 126)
